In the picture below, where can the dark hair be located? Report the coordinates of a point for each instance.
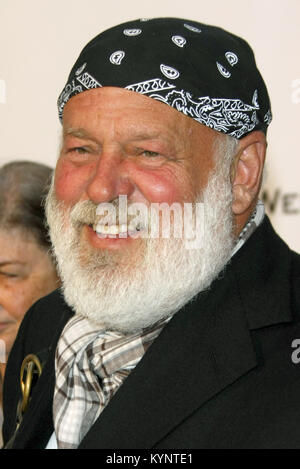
(23, 187)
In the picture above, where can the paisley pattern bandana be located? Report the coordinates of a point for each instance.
(202, 71)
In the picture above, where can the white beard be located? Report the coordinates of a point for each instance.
(130, 291)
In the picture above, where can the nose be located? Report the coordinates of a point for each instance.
(110, 177)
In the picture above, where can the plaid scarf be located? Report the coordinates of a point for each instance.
(91, 365)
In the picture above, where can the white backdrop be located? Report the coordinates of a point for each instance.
(40, 40)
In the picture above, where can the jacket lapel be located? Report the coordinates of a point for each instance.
(203, 349)
(37, 425)
(263, 274)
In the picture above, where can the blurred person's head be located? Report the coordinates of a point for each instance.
(27, 270)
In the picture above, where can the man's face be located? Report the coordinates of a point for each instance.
(117, 142)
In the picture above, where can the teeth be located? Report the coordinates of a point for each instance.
(111, 229)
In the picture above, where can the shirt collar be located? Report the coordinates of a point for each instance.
(254, 221)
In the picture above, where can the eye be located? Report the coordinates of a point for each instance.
(79, 150)
(9, 275)
(150, 153)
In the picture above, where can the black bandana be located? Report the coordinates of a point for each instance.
(202, 71)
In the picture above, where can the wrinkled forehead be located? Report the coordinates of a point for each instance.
(124, 116)
(202, 71)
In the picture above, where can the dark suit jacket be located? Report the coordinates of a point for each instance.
(220, 375)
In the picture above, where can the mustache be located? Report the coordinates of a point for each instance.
(83, 212)
(86, 212)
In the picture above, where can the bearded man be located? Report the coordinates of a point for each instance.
(153, 343)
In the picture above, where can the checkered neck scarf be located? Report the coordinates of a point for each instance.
(91, 365)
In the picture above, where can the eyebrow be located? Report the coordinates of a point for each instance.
(82, 133)
(79, 133)
(138, 136)
(146, 136)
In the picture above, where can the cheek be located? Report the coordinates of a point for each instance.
(15, 300)
(71, 181)
(166, 185)
(42, 281)
(9, 336)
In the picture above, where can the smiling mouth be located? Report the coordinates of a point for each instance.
(110, 229)
(122, 231)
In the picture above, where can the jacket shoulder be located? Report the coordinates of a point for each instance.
(295, 284)
(45, 319)
(42, 322)
(296, 264)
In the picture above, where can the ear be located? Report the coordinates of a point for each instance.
(247, 172)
